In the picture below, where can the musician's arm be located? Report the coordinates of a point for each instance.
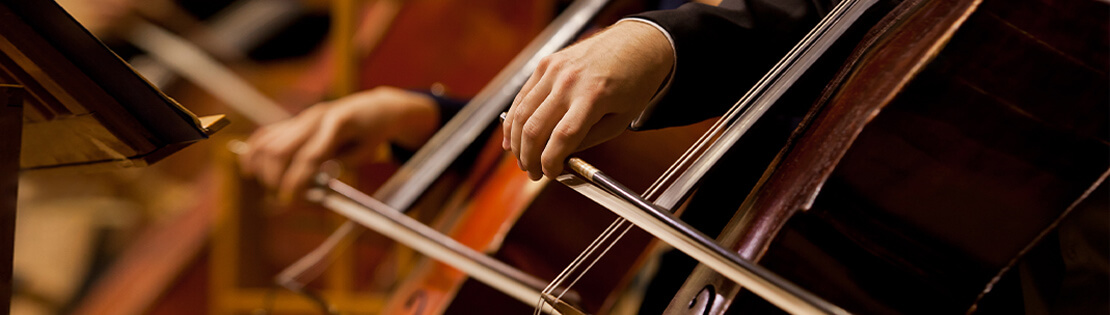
(286, 155)
(592, 91)
(721, 52)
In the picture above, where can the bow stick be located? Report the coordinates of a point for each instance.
(655, 218)
(406, 186)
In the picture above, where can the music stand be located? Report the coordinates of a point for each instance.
(68, 102)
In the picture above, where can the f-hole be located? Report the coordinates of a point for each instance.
(710, 294)
(416, 302)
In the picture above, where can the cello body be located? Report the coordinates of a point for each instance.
(255, 239)
(956, 139)
(419, 47)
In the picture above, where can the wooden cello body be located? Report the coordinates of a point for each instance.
(461, 193)
(426, 44)
(257, 241)
(538, 227)
(958, 136)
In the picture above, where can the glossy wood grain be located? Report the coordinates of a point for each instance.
(948, 150)
(85, 105)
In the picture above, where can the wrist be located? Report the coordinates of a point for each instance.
(668, 60)
(417, 118)
(649, 43)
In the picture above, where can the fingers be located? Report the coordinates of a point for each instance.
(586, 94)
(522, 112)
(507, 124)
(269, 157)
(299, 173)
(271, 149)
(542, 107)
(286, 156)
(566, 137)
(536, 131)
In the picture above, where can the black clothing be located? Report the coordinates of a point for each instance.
(713, 69)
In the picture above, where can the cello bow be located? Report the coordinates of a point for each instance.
(402, 189)
(343, 199)
(684, 175)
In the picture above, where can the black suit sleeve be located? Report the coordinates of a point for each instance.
(720, 52)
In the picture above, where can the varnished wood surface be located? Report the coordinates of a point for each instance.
(479, 215)
(466, 46)
(963, 169)
(85, 106)
(560, 223)
(780, 195)
(948, 150)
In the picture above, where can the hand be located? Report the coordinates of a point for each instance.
(287, 155)
(585, 94)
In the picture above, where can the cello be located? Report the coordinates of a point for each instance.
(238, 297)
(866, 221)
(920, 181)
(449, 133)
(496, 105)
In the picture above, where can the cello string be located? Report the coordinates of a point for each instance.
(800, 56)
(598, 258)
(684, 160)
(606, 237)
(590, 266)
(618, 225)
(720, 126)
(573, 264)
(687, 157)
(558, 281)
